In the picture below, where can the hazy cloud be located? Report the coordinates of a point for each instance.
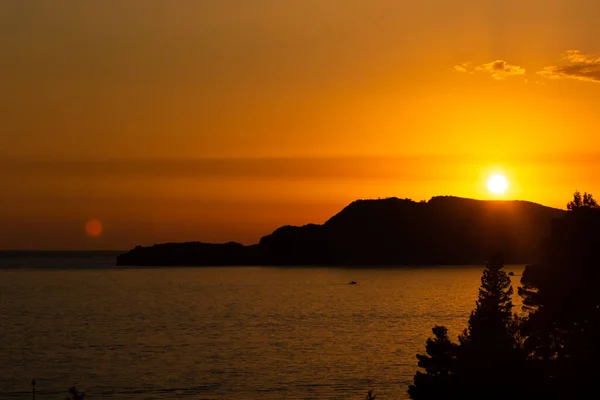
(579, 65)
(384, 168)
(462, 67)
(499, 69)
(284, 169)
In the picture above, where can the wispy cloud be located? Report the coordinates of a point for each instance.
(579, 65)
(499, 69)
(464, 67)
(283, 169)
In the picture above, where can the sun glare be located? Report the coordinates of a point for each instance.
(497, 184)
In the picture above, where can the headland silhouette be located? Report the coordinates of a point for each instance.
(445, 230)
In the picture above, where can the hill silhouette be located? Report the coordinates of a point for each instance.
(445, 230)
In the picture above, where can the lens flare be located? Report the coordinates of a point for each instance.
(93, 228)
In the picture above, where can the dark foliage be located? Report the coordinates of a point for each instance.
(562, 292)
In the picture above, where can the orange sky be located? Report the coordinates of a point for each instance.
(222, 120)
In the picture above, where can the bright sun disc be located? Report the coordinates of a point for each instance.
(497, 184)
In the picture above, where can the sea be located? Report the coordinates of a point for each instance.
(75, 319)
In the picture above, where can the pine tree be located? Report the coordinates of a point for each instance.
(489, 325)
(490, 356)
(488, 362)
(438, 380)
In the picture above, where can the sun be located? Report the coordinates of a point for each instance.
(497, 184)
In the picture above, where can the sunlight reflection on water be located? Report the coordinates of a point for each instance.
(225, 333)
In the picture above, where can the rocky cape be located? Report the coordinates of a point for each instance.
(386, 232)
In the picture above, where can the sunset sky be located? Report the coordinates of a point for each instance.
(222, 120)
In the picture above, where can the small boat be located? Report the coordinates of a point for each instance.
(511, 273)
(352, 283)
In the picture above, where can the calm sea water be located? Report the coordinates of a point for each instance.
(221, 333)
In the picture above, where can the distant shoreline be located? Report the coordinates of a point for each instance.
(20, 253)
(33, 252)
(109, 267)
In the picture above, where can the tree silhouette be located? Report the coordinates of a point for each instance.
(578, 202)
(438, 380)
(562, 293)
(489, 328)
(488, 362)
(554, 352)
(490, 356)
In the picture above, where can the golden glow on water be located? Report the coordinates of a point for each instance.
(228, 333)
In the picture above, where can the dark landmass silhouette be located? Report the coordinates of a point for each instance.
(445, 230)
